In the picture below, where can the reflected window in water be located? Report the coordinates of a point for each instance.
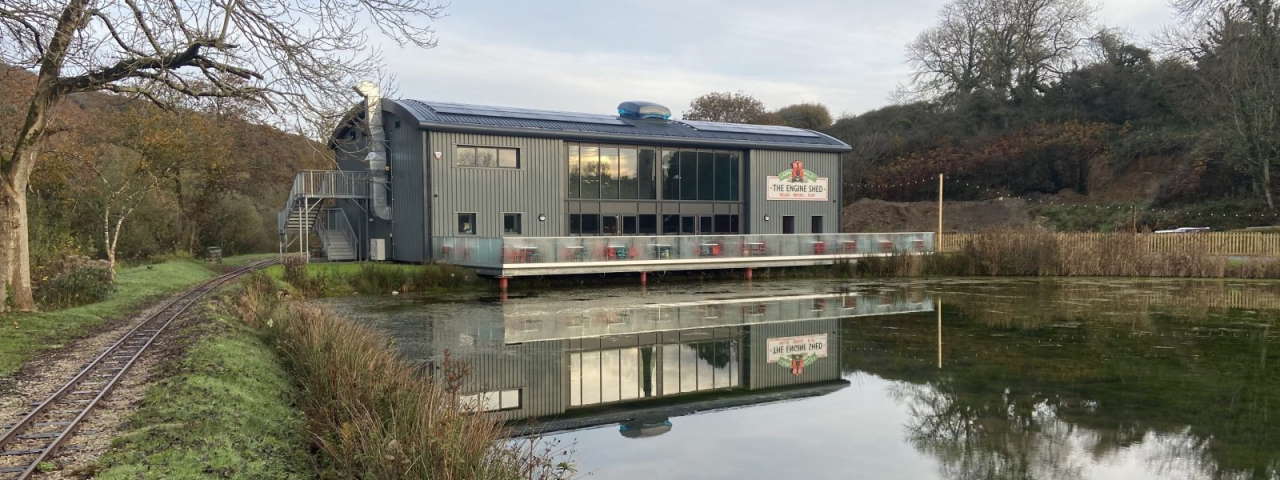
(635, 373)
(491, 401)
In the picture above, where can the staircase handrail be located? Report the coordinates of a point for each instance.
(344, 225)
(334, 220)
(323, 183)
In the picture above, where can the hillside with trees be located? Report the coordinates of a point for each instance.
(124, 180)
(1018, 98)
(1088, 128)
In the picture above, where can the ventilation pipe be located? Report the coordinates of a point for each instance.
(377, 157)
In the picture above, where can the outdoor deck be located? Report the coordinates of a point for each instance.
(527, 256)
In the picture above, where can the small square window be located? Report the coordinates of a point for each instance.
(511, 224)
(508, 158)
(466, 224)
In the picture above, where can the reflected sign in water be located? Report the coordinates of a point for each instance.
(572, 364)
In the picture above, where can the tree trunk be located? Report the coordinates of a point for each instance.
(6, 242)
(1266, 182)
(20, 279)
(16, 166)
(107, 244)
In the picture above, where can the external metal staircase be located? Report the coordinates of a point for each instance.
(309, 215)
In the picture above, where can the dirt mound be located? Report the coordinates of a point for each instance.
(881, 216)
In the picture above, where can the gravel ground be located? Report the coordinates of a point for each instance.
(43, 375)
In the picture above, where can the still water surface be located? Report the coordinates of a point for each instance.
(950, 379)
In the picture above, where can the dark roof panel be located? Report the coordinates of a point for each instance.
(585, 126)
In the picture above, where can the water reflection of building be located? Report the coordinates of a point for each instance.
(598, 358)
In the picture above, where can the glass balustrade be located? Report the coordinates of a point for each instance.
(497, 252)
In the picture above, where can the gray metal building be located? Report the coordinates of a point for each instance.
(455, 170)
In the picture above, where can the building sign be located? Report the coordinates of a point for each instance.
(796, 353)
(796, 183)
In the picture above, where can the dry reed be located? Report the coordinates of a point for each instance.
(1037, 253)
(376, 416)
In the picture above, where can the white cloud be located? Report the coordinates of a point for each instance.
(588, 56)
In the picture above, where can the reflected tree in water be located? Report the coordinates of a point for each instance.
(1041, 385)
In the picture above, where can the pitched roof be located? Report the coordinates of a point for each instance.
(459, 117)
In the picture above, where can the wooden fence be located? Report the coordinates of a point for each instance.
(1212, 243)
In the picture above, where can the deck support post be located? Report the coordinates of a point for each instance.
(748, 274)
(503, 283)
(644, 279)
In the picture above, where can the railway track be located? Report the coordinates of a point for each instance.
(35, 437)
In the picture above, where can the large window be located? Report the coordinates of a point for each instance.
(641, 173)
(492, 157)
(700, 175)
(593, 224)
(612, 172)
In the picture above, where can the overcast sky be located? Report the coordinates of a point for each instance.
(587, 56)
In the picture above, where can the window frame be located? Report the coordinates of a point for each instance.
(519, 224)
(497, 163)
(475, 220)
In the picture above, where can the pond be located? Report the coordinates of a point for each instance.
(948, 379)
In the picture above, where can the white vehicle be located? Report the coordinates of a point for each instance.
(1185, 230)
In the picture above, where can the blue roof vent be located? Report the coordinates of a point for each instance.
(642, 110)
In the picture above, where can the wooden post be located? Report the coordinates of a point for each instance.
(644, 278)
(939, 332)
(939, 213)
(748, 274)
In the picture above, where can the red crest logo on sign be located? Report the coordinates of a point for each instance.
(797, 171)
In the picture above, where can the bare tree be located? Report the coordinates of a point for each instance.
(119, 187)
(295, 58)
(731, 107)
(1239, 62)
(1006, 46)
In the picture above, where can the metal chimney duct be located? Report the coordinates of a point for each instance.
(377, 157)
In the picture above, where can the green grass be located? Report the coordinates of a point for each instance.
(27, 334)
(364, 278)
(227, 411)
(242, 260)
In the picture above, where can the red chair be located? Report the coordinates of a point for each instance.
(849, 246)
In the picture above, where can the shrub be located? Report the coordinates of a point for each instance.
(76, 280)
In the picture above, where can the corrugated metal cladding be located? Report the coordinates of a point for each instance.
(535, 368)
(764, 163)
(408, 199)
(766, 375)
(537, 187)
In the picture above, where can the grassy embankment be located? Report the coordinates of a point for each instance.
(372, 414)
(276, 380)
(28, 334)
(226, 409)
(1031, 253)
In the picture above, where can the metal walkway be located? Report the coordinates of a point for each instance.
(309, 211)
